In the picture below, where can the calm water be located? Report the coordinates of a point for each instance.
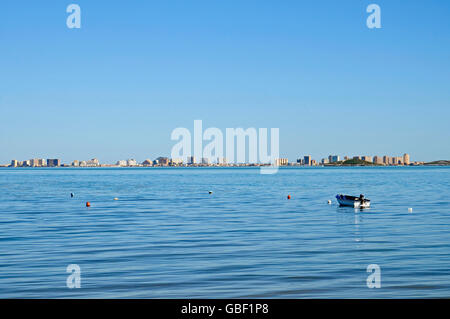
(166, 237)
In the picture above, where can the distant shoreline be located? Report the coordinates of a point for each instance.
(226, 167)
(346, 163)
(332, 161)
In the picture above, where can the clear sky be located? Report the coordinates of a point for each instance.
(117, 87)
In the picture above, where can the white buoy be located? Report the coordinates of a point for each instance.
(329, 202)
(410, 210)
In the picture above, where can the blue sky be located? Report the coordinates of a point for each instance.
(117, 87)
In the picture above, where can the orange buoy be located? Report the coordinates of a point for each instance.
(88, 204)
(289, 196)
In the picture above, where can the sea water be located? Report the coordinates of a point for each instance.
(167, 237)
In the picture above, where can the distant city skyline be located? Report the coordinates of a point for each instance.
(118, 86)
(306, 160)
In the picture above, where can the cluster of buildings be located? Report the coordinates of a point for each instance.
(53, 162)
(379, 160)
(91, 163)
(160, 161)
(36, 162)
(165, 161)
(192, 161)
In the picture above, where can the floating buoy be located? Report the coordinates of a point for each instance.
(71, 195)
(210, 192)
(329, 202)
(115, 198)
(88, 204)
(289, 197)
(410, 210)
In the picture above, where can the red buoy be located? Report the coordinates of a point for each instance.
(88, 204)
(289, 196)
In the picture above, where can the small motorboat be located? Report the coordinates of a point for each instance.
(352, 201)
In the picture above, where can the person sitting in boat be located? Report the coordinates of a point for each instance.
(361, 198)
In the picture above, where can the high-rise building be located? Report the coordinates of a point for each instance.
(14, 163)
(378, 160)
(37, 162)
(222, 160)
(367, 158)
(406, 159)
(34, 162)
(281, 161)
(75, 163)
(386, 160)
(131, 162)
(164, 161)
(307, 160)
(357, 157)
(205, 161)
(121, 163)
(333, 158)
(53, 162)
(191, 160)
(93, 162)
(325, 161)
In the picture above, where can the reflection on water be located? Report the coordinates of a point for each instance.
(357, 232)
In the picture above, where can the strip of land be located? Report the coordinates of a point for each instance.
(359, 162)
